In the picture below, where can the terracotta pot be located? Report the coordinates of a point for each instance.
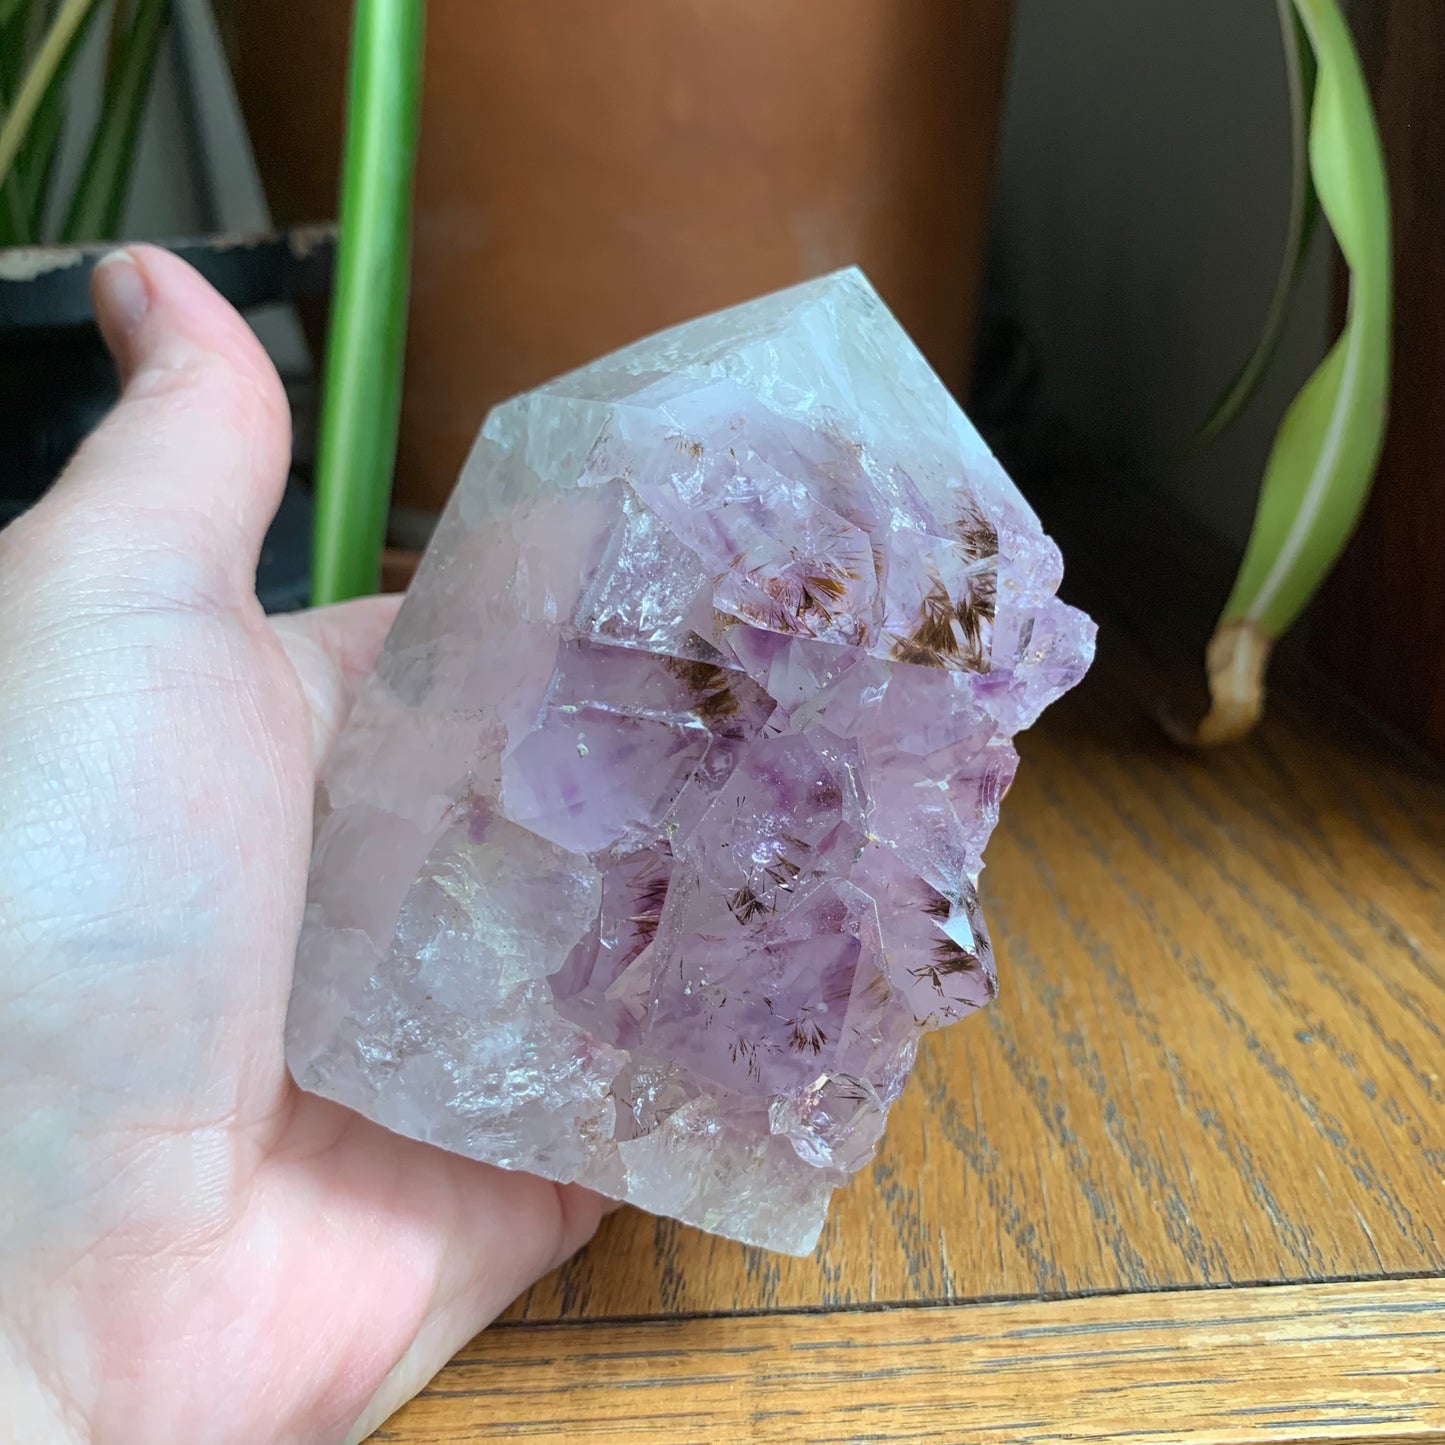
(398, 567)
(592, 170)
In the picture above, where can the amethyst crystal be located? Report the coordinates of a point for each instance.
(650, 849)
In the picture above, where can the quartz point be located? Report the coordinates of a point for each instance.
(650, 849)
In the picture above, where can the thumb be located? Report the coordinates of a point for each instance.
(187, 470)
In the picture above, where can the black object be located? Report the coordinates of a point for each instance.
(57, 382)
(283, 573)
(49, 286)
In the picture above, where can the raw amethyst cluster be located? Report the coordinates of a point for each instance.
(650, 849)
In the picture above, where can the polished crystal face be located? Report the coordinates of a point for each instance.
(650, 849)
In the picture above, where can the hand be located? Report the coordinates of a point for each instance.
(190, 1249)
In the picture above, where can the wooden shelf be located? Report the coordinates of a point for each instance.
(1204, 1365)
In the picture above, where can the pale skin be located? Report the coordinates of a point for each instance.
(191, 1249)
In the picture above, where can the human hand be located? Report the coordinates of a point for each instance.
(190, 1249)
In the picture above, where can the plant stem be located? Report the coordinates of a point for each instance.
(361, 394)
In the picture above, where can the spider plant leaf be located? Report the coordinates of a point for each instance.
(14, 215)
(35, 166)
(361, 389)
(27, 188)
(13, 55)
(10, 9)
(1324, 457)
(120, 22)
(99, 199)
(45, 74)
(1301, 72)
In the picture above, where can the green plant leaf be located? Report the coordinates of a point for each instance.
(99, 199)
(14, 216)
(13, 54)
(36, 164)
(361, 391)
(121, 17)
(1301, 72)
(14, 58)
(1325, 453)
(18, 12)
(45, 75)
(27, 187)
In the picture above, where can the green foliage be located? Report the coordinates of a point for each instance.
(38, 44)
(95, 209)
(1325, 453)
(39, 40)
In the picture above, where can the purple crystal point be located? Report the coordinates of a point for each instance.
(650, 850)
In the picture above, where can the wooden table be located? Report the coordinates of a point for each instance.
(1184, 1181)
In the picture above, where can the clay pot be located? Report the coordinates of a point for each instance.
(592, 170)
(398, 567)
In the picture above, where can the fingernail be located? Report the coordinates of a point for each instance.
(120, 296)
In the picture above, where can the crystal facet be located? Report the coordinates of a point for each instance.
(651, 846)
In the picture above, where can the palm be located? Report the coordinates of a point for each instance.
(243, 1261)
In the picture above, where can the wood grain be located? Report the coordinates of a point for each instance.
(1216, 1057)
(1216, 1367)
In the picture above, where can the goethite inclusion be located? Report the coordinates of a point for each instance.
(650, 849)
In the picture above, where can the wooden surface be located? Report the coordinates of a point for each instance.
(1216, 1062)
(1385, 607)
(1238, 1365)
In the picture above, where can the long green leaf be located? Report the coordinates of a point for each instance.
(1324, 456)
(361, 394)
(14, 215)
(14, 60)
(99, 200)
(35, 165)
(120, 23)
(27, 188)
(46, 72)
(18, 18)
(1301, 73)
(14, 55)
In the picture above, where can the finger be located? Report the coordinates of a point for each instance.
(442, 1244)
(487, 1266)
(332, 650)
(189, 466)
